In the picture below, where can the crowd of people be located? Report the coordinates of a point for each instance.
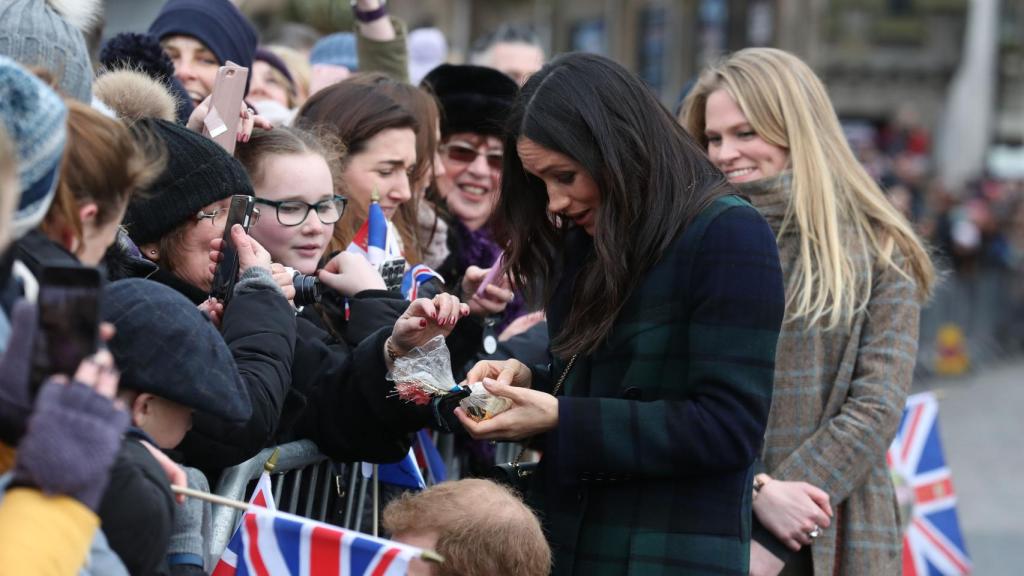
(704, 326)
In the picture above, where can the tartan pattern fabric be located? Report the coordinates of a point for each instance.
(650, 467)
(838, 401)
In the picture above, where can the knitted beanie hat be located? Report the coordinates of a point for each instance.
(198, 173)
(35, 119)
(143, 52)
(49, 35)
(216, 23)
(473, 98)
(338, 49)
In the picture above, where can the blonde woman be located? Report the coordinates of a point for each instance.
(856, 275)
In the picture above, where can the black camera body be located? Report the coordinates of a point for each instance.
(308, 288)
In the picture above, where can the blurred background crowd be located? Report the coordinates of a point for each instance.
(930, 92)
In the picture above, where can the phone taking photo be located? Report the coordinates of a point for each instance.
(69, 320)
(221, 124)
(226, 273)
(492, 275)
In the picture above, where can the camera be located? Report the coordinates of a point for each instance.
(308, 289)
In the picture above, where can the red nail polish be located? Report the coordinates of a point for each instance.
(423, 323)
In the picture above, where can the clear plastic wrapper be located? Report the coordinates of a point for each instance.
(482, 405)
(424, 373)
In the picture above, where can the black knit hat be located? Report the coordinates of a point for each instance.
(474, 98)
(165, 346)
(199, 172)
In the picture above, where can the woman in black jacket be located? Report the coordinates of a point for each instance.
(338, 385)
(289, 364)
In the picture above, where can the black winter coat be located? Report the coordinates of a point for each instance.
(259, 328)
(137, 510)
(340, 398)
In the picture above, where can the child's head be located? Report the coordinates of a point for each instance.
(165, 421)
(172, 360)
(293, 175)
(478, 526)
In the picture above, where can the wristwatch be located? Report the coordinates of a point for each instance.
(370, 15)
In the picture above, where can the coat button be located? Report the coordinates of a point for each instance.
(631, 393)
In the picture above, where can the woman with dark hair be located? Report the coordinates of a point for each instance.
(664, 301)
(381, 139)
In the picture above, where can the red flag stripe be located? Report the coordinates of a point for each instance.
(325, 551)
(254, 549)
(385, 561)
(933, 491)
(909, 567)
(939, 545)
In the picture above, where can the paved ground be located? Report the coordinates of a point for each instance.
(982, 424)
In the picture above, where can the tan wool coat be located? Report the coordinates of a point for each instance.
(837, 402)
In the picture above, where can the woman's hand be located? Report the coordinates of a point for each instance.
(425, 319)
(763, 562)
(350, 274)
(521, 325)
(495, 298)
(250, 252)
(505, 372)
(532, 413)
(249, 119)
(790, 510)
(284, 279)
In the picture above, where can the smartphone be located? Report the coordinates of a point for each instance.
(221, 125)
(492, 274)
(226, 273)
(69, 320)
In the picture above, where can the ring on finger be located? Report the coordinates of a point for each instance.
(814, 532)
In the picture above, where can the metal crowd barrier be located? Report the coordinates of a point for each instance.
(304, 482)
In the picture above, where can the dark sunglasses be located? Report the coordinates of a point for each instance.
(465, 154)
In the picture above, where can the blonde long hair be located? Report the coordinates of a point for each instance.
(833, 197)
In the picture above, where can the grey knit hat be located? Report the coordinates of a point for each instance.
(35, 119)
(48, 34)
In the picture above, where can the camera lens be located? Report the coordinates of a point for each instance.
(307, 289)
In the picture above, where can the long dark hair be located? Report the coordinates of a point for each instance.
(652, 176)
(356, 112)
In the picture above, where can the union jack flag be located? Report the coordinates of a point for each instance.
(281, 544)
(262, 496)
(933, 544)
(416, 277)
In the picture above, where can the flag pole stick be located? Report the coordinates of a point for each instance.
(212, 498)
(376, 500)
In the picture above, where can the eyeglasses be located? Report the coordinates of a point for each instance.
(466, 154)
(295, 212)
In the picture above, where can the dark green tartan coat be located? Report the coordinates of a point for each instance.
(650, 468)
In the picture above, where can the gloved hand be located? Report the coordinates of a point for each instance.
(445, 419)
(15, 370)
(74, 434)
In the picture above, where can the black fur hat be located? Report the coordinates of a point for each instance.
(474, 98)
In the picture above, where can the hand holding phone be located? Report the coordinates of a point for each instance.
(492, 275)
(226, 273)
(68, 321)
(221, 124)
